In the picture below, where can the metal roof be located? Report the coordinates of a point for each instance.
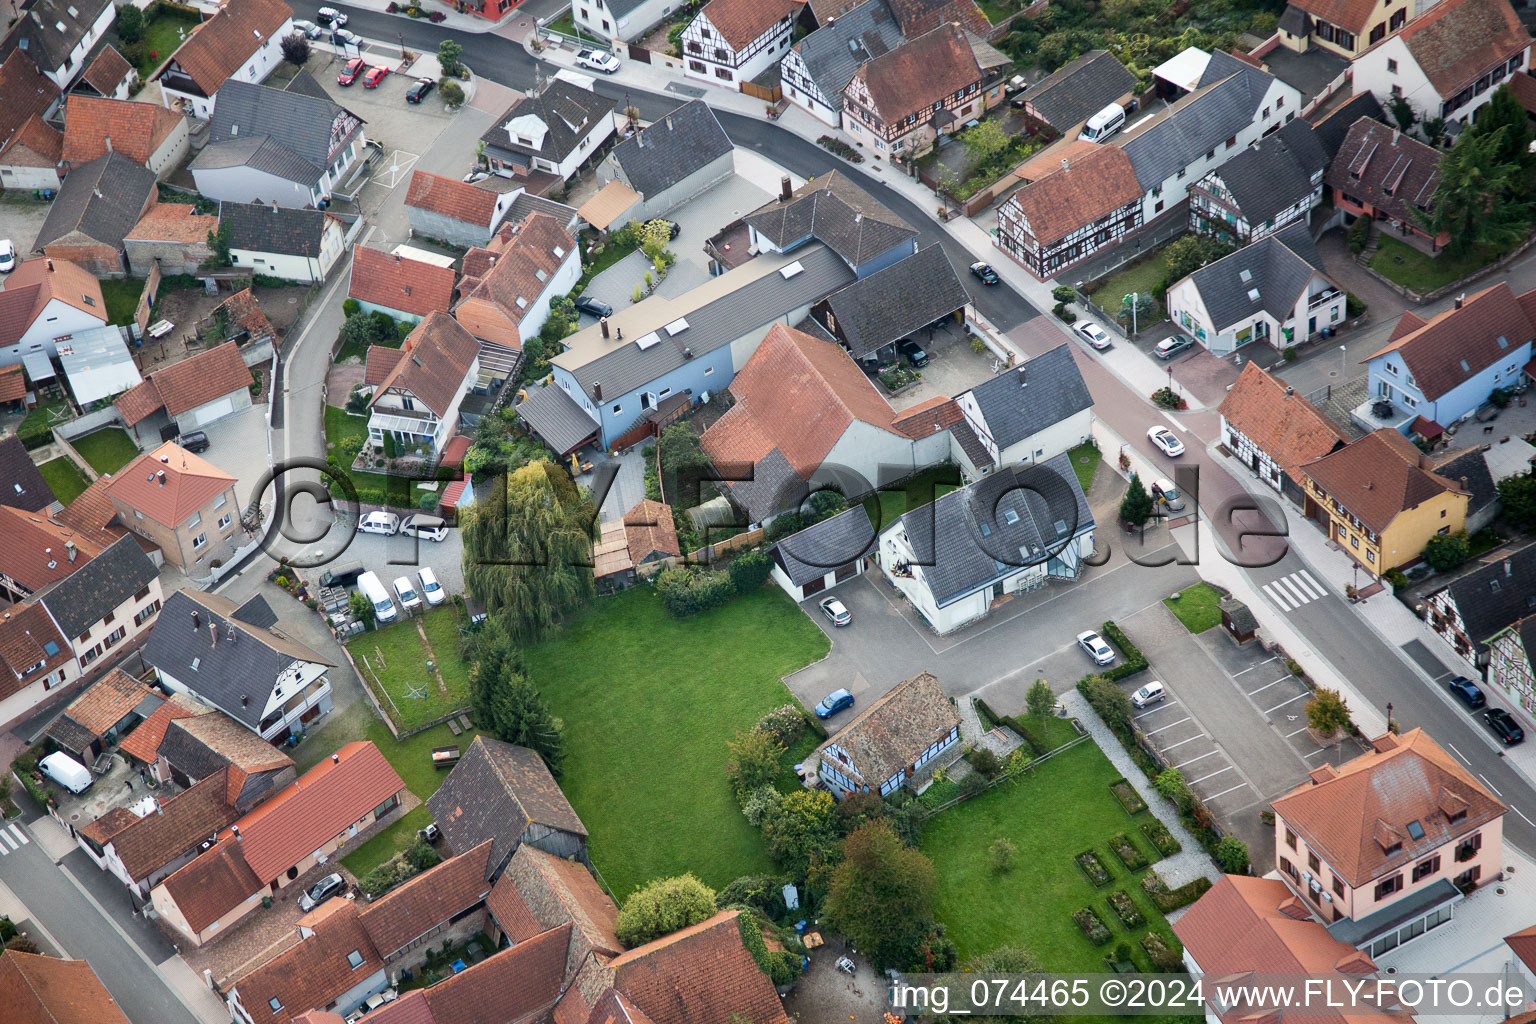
(98, 364)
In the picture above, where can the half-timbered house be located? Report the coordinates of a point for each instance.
(896, 741)
(1091, 202)
(734, 41)
(903, 99)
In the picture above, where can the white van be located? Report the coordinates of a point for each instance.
(1172, 497)
(386, 523)
(1103, 124)
(424, 527)
(1152, 693)
(373, 590)
(67, 772)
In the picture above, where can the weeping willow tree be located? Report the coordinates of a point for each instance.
(528, 550)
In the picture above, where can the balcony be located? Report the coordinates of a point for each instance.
(405, 421)
(1322, 298)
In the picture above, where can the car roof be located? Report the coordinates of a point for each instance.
(841, 691)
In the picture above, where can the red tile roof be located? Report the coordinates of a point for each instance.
(451, 198)
(107, 71)
(107, 702)
(455, 450)
(1523, 85)
(95, 126)
(408, 911)
(182, 822)
(144, 742)
(1455, 41)
(649, 531)
(1377, 477)
(742, 21)
(212, 885)
(539, 890)
(36, 144)
(919, 73)
(701, 973)
(219, 46)
(34, 551)
(34, 283)
(91, 513)
(1460, 343)
(436, 357)
(401, 284)
(173, 222)
(139, 402)
(231, 741)
(929, 417)
(13, 384)
(522, 259)
(1350, 14)
(381, 362)
(24, 91)
(1285, 426)
(42, 990)
(511, 986)
(1523, 945)
(1090, 186)
(190, 483)
(314, 972)
(202, 378)
(25, 632)
(915, 17)
(108, 825)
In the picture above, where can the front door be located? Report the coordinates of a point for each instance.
(997, 589)
(1311, 326)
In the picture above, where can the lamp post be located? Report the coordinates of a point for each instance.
(1389, 716)
(1343, 360)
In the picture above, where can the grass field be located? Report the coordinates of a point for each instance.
(1145, 276)
(395, 658)
(107, 450)
(1085, 463)
(122, 299)
(372, 488)
(887, 506)
(1411, 268)
(162, 35)
(64, 478)
(1198, 608)
(649, 703)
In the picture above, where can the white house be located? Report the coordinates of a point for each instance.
(108, 601)
(1027, 415)
(819, 67)
(555, 130)
(43, 300)
(894, 742)
(418, 401)
(508, 285)
(59, 34)
(734, 41)
(242, 42)
(295, 245)
(825, 554)
(672, 160)
(625, 20)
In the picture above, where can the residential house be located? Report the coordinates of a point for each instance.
(21, 485)
(1274, 431)
(292, 244)
(1476, 470)
(1007, 533)
(110, 600)
(901, 100)
(98, 204)
(288, 147)
(734, 41)
(1061, 218)
(1489, 601)
(237, 659)
(37, 551)
(1343, 27)
(1510, 653)
(92, 518)
(1027, 415)
(107, 710)
(58, 35)
(893, 742)
(672, 160)
(35, 658)
(243, 320)
(1067, 97)
(242, 42)
(1441, 370)
(143, 745)
(1449, 60)
(505, 794)
(109, 76)
(1276, 182)
(824, 554)
(1332, 125)
(182, 504)
(29, 147)
(508, 285)
(539, 891)
(198, 741)
(556, 130)
(1232, 106)
(142, 132)
(192, 393)
(404, 289)
(452, 211)
(642, 542)
(1379, 503)
(47, 990)
(280, 841)
(174, 235)
(1272, 292)
(14, 394)
(832, 210)
(418, 402)
(625, 20)
(817, 69)
(1391, 838)
(918, 17)
(868, 317)
(611, 207)
(1381, 173)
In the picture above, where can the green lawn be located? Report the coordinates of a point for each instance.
(107, 450)
(1400, 262)
(1052, 814)
(886, 506)
(161, 37)
(122, 299)
(1085, 463)
(64, 478)
(373, 488)
(649, 703)
(36, 429)
(394, 659)
(1146, 276)
(1197, 607)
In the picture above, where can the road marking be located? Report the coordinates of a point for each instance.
(5, 848)
(1261, 664)
(1199, 736)
(1305, 578)
(1462, 756)
(1165, 728)
(1290, 734)
(1293, 700)
(1528, 821)
(1224, 792)
(1295, 590)
(1212, 775)
(1319, 750)
(1192, 760)
(18, 834)
(1154, 711)
(1489, 784)
(1285, 605)
(1277, 682)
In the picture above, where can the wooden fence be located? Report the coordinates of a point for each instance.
(1028, 767)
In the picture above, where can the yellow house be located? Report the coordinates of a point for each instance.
(1345, 27)
(1380, 500)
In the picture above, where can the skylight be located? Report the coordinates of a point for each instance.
(1011, 517)
(648, 340)
(1253, 293)
(986, 531)
(1464, 367)
(793, 270)
(1415, 830)
(677, 327)
(1246, 276)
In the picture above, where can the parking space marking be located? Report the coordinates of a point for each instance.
(1165, 728)
(1489, 784)
(1192, 760)
(1154, 711)
(399, 166)
(1198, 736)
(1319, 750)
(1224, 792)
(1213, 775)
(1290, 734)
(1277, 682)
(1528, 821)
(1283, 703)
(1261, 664)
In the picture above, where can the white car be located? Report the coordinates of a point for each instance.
(1169, 445)
(1096, 648)
(308, 29)
(1092, 333)
(430, 587)
(598, 60)
(386, 523)
(409, 599)
(7, 256)
(345, 38)
(331, 16)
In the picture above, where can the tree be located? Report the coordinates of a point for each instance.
(1402, 112)
(986, 140)
(295, 48)
(1170, 783)
(528, 549)
(1010, 960)
(755, 759)
(855, 809)
(1183, 256)
(1475, 203)
(1328, 711)
(451, 92)
(662, 907)
(1001, 854)
(449, 56)
(506, 704)
(1445, 551)
(360, 607)
(1232, 855)
(1136, 506)
(1064, 293)
(130, 23)
(1504, 111)
(1140, 303)
(218, 241)
(1040, 701)
(803, 836)
(1433, 130)
(1517, 498)
(881, 895)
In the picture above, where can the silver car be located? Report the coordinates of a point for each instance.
(1096, 648)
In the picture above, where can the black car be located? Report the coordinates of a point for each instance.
(673, 227)
(913, 351)
(1504, 726)
(197, 441)
(418, 92)
(593, 307)
(1468, 692)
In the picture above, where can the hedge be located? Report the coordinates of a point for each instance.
(687, 591)
(1168, 900)
(1134, 662)
(1028, 733)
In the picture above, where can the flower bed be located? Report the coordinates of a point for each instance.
(1094, 930)
(1126, 910)
(1098, 874)
(1167, 398)
(1126, 850)
(898, 377)
(1161, 839)
(1163, 956)
(1168, 900)
(1128, 797)
(837, 147)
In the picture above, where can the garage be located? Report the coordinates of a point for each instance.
(824, 555)
(215, 410)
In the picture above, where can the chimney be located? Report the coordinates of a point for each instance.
(1509, 567)
(236, 830)
(1064, 165)
(669, 122)
(1289, 391)
(603, 323)
(597, 390)
(213, 632)
(687, 353)
(244, 700)
(397, 257)
(159, 808)
(1461, 299)
(275, 207)
(196, 622)
(69, 545)
(165, 460)
(785, 192)
(108, 141)
(1425, 462)
(50, 266)
(160, 476)
(335, 759)
(1395, 136)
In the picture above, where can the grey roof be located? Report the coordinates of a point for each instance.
(304, 83)
(1334, 128)
(49, 30)
(1022, 402)
(1278, 268)
(824, 546)
(525, 204)
(889, 304)
(833, 210)
(1223, 105)
(964, 541)
(1496, 595)
(1241, 616)
(568, 112)
(834, 53)
(1295, 21)
(21, 484)
(101, 200)
(717, 323)
(774, 486)
(87, 595)
(1079, 90)
(1276, 173)
(256, 612)
(555, 416)
(621, 8)
(663, 154)
(1469, 469)
(282, 230)
(293, 127)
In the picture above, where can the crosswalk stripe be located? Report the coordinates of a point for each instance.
(1274, 595)
(19, 835)
(7, 844)
(1298, 595)
(1305, 579)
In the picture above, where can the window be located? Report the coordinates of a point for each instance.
(1354, 542)
(223, 500)
(146, 613)
(1467, 848)
(387, 806)
(724, 73)
(1290, 837)
(1279, 102)
(108, 617)
(142, 594)
(275, 1003)
(696, 65)
(1469, 878)
(355, 958)
(605, 24)
(1266, 113)
(197, 517)
(1338, 886)
(616, 408)
(1313, 863)
(1391, 67)
(1289, 868)
(225, 520)
(1377, 34)
(1397, 90)
(1370, 556)
(201, 540)
(1388, 886)
(1424, 869)
(1159, 207)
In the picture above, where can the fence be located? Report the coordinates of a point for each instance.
(91, 421)
(709, 552)
(147, 298)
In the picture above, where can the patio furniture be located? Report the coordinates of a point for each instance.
(453, 726)
(445, 757)
(160, 328)
(465, 722)
(846, 965)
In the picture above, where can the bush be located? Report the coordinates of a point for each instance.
(750, 570)
(1446, 551)
(783, 967)
(1129, 855)
(1126, 910)
(984, 761)
(1064, 294)
(1328, 711)
(1161, 839)
(295, 47)
(130, 23)
(761, 804)
(1064, 314)
(688, 591)
(1232, 855)
(1001, 854)
(449, 54)
(755, 758)
(1134, 662)
(1289, 354)
(760, 892)
(785, 724)
(428, 501)
(1163, 956)
(1353, 306)
(1092, 928)
(1109, 702)
(452, 92)
(663, 907)
(972, 784)
(1359, 235)
(1168, 900)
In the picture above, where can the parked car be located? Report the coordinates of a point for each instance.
(430, 588)
(834, 702)
(308, 29)
(1152, 693)
(409, 599)
(345, 38)
(673, 227)
(351, 70)
(342, 574)
(836, 611)
(1097, 649)
(1166, 442)
(330, 16)
(592, 307)
(425, 527)
(1468, 692)
(73, 775)
(374, 76)
(418, 90)
(196, 441)
(386, 523)
(321, 891)
(913, 351)
(984, 272)
(1170, 347)
(1504, 726)
(1092, 333)
(598, 60)
(7, 256)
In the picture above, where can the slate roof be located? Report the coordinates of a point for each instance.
(1278, 267)
(190, 483)
(891, 303)
(1334, 125)
(1495, 595)
(1285, 426)
(567, 112)
(834, 53)
(1030, 398)
(92, 591)
(21, 484)
(95, 126)
(286, 132)
(49, 30)
(1075, 92)
(408, 911)
(1469, 468)
(1455, 41)
(700, 973)
(1374, 159)
(100, 200)
(285, 231)
(1276, 173)
(1086, 187)
(664, 153)
(920, 73)
(24, 93)
(834, 211)
(820, 548)
(435, 358)
(947, 536)
(1458, 344)
(556, 417)
(219, 46)
(246, 661)
(892, 732)
(403, 284)
(37, 989)
(451, 198)
(106, 72)
(1376, 477)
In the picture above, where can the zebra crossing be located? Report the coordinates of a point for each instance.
(1293, 591)
(12, 838)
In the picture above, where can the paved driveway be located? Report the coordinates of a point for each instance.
(237, 444)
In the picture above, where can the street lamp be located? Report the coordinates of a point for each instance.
(1389, 716)
(1343, 360)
